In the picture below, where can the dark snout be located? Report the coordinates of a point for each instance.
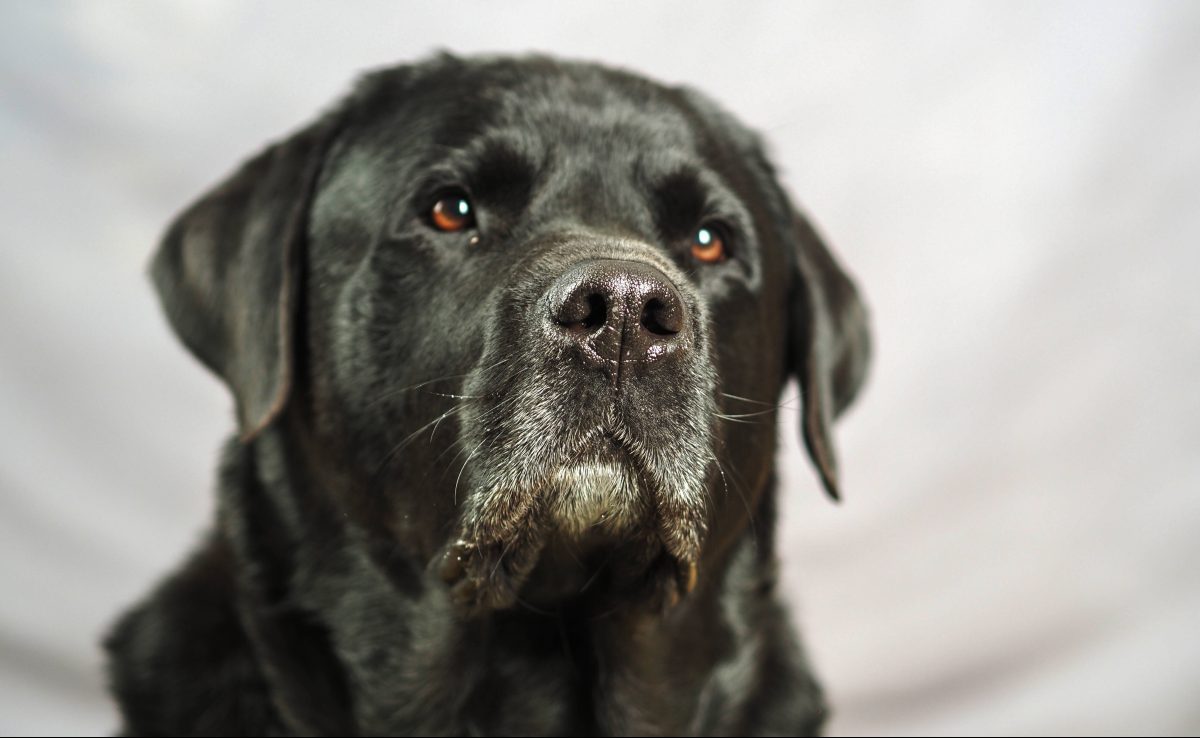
(589, 424)
(621, 315)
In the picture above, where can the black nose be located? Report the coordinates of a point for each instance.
(623, 314)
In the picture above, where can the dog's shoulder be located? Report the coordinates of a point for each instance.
(181, 660)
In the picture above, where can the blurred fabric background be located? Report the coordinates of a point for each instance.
(1016, 187)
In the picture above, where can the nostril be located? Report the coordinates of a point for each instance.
(597, 314)
(660, 319)
(609, 314)
(584, 314)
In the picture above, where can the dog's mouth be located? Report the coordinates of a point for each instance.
(602, 489)
(600, 512)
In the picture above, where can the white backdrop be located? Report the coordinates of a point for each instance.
(1015, 185)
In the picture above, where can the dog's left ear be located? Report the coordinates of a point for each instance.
(829, 343)
(228, 272)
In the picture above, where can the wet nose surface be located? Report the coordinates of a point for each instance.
(623, 315)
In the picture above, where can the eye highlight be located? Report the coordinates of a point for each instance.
(708, 244)
(452, 212)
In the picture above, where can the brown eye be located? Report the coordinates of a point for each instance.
(708, 244)
(452, 212)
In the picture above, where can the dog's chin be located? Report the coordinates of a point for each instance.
(600, 496)
(593, 529)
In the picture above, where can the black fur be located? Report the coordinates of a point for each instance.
(398, 548)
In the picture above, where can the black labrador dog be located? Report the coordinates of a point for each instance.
(506, 338)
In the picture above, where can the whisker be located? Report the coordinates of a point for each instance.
(745, 399)
(786, 403)
(738, 419)
(410, 437)
(719, 416)
(460, 473)
(500, 559)
(392, 393)
(457, 443)
(433, 432)
(768, 411)
(741, 494)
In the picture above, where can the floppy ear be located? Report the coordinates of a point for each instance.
(829, 343)
(228, 272)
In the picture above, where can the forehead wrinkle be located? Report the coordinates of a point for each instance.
(499, 141)
(590, 191)
(595, 175)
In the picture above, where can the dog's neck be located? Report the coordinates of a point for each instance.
(329, 620)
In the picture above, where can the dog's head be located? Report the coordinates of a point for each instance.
(506, 308)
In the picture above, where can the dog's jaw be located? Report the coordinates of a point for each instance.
(501, 540)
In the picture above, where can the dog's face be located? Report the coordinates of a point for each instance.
(529, 318)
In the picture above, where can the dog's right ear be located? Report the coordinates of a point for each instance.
(228, 272)
(829, 346)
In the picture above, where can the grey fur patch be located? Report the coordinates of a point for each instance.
(595, 495)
